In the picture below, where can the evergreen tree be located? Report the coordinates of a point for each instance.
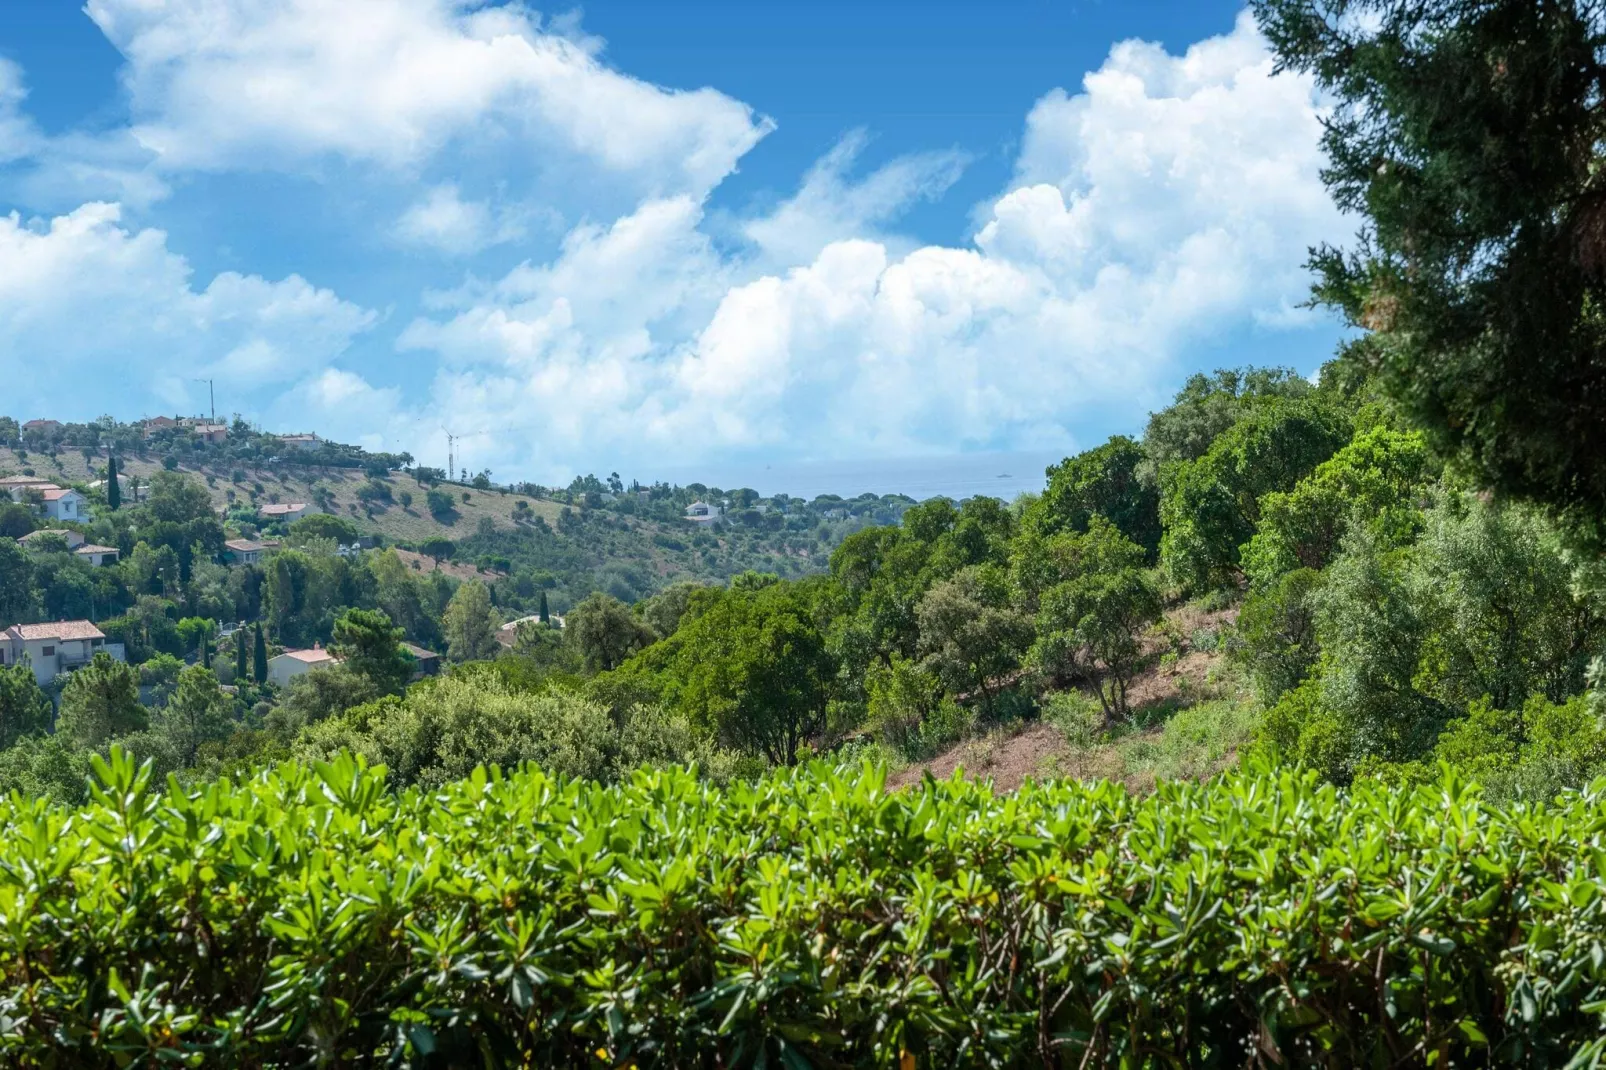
(197, 713)
(1466, 136)
(546, 614)
(469, 624)
(371, 648)
(24, 709)
(114, 493)
(260, 656)
(100, 702)
(242, 667)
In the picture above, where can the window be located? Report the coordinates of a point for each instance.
(48, 652)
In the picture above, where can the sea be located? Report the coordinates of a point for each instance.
(957, 476)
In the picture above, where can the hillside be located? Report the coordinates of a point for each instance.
(595, 540)
(1191, 714)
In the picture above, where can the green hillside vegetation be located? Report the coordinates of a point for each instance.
(569, 541)
(1275, 567)
(1297, 698)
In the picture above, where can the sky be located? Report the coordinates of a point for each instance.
(713, 240)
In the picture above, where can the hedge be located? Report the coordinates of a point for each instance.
(309, 916)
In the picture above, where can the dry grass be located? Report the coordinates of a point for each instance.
(1190, 717)
(395, 523)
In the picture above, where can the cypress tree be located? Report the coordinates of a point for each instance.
(260, 656)
(242, 667)
(546, 616)
(206, 651)
(114, 493)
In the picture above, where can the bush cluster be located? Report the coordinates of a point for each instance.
(311, 916)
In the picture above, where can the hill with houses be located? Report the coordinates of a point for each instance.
(594, 534)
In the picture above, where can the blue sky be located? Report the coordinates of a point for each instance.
(662, 238)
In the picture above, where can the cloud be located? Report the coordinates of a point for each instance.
(1168, 203)
(17, 133)
(830, 206)
(442, 220)
(217, 84)
(96, 317)
(341, 405)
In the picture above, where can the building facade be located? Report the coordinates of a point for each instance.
(293, 663)
(55, 648)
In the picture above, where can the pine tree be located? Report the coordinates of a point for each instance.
(242, 667)
(1465, 138)
(546, 615)
(114, 493)
(260, 656)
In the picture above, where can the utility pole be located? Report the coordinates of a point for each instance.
(451, 441)
(211, 396)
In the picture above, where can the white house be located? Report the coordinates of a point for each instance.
(11, 484)
(294, 663)
(64, 503)
(57, 503)
(247, 551)
(97, 555)
(704, 514)
(72, 538)
(283, 511)
(55, 648)
(299, 442)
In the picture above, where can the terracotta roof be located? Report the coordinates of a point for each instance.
(419, 652)
(54, 493)
(23, 481)
(315, 656)
(244, 546)
(61, 629)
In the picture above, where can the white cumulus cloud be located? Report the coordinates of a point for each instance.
(1171, 200)
(97, 317)
(243, 83)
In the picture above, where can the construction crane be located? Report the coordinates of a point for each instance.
(210, 395)
(451, 444)
(454, 441)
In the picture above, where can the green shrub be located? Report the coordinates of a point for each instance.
(310, 915)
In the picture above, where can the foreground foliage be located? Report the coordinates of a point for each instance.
(811, 919)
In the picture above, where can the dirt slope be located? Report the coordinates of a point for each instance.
(1038, 750)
